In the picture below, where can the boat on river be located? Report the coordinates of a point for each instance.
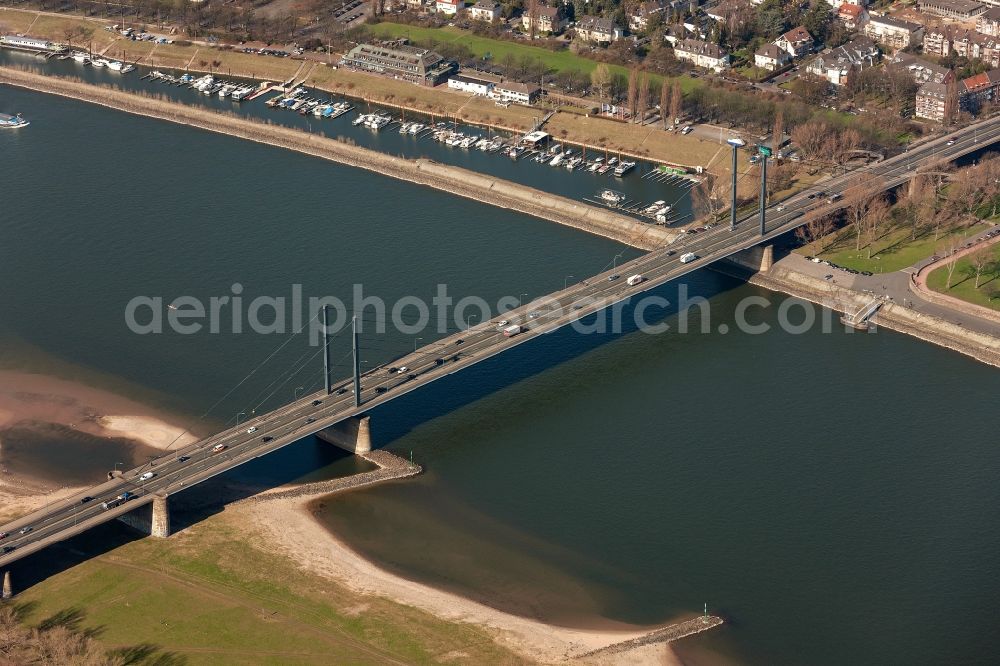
(12, 122)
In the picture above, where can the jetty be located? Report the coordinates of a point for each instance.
(667, 634)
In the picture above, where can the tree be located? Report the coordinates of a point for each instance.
(642, 101)
(858, 198)
(814, 230)
(665, 104)
(676, 100)
(980, 261)
(779, 129)
(600, 79)
(633, 91)
(950, 264)
(875, 219)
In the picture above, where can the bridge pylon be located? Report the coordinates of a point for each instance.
(8, 588)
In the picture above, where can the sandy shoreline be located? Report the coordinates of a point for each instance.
(28, 400)
(289, 524)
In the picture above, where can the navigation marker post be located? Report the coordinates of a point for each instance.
(764, 153)
(736, 143)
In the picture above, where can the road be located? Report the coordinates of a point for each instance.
(263, 434)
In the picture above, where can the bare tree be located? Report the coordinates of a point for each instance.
(980, 261)
(676, 101)
(814, 230)
(533, 15)
(600, 79)
(633, 91)
(642, 101)
(665, 104)
(778, 130)
(875, 219)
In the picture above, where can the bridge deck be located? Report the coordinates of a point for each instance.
(292, 422)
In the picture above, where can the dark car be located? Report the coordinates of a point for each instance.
(671, 253)
(411, 376)
(86, 499)
(310, 420)
(316, 403)
(8, 549)
(380, 389)
(459, 341)
(184, 459)
(341, 391)
(612, 278)
(266, 438)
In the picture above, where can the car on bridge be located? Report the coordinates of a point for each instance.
(251, 430)
(4, 535)
(8, 549)
(147, 476)
(25, 530)
(218, 447)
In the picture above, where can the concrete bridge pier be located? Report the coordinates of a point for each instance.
(160, 524)
(353, 435)
(758, 259)
(8, 588)
(153, 520)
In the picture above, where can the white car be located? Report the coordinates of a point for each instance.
(502, 323)
(951, 142)
(779, 207)
(251, 430)
(147, 476)
(402, 369)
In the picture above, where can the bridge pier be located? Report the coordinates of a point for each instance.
(153, 519)
(160, 524)
(353, 435)
(758, 259)
(8, 588)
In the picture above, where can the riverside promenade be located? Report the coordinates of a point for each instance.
(455, 180)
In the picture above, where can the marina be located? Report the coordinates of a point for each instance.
(575, 172)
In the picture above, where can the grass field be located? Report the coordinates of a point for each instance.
(892, 252)
(208, 597)
(964, 283)
(499, 48)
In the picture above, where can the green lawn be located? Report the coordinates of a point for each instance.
(964, 283)
(498, 48)
(892, 252)
(208, 596)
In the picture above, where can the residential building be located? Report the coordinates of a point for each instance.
(893, 32)
(971, 44)
(550, 20)
(920, 70)
(852, 16)
(512, 91)
(400, 61)
(796, 42)
(597, 29)
(771, 57)
(979, 91)
(988, 22)
(449, 7)
(933, 101)
(638, 20)
(836, 65)
(937, 40)
(485, 10)
(702, 54)
(962, 10)
(471, 84)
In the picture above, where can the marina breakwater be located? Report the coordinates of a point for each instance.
(455, 180)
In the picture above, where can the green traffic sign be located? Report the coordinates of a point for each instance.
(764, 150)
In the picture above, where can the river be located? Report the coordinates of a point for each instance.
(830, 494)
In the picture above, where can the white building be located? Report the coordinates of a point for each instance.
(702, 54)
(893, 32)
(519, 93)
(485, 10)
(836, 65)
(449, 7)
(597, 29)
(771, 57)
(796, 42)
(470, 84)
